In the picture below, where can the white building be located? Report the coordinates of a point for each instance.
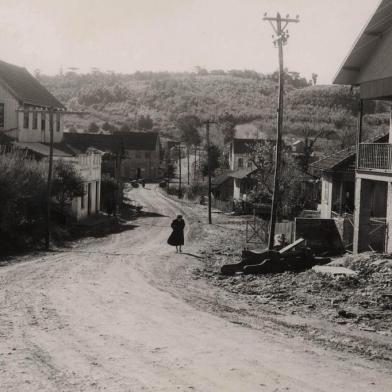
(27, 110)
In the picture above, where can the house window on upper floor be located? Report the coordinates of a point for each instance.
(35, 120)
(240, 162)
(26, 119)
(1, 115)
(249, 164)
(43, 121)
(147, 154)
(58, 122)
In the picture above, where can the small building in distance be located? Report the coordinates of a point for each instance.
(239, 150)
(27, 110)
(138, 152)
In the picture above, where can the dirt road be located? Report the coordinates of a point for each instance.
(119, 314)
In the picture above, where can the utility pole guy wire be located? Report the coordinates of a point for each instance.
(281, 36)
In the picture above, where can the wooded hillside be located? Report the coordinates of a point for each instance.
(241, 96)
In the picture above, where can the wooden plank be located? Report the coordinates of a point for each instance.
(291, 246)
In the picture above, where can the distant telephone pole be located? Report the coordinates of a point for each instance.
(49, 183)
(209, 168)
(281, 36)
(179, 171)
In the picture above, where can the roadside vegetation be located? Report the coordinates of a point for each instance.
(23, 187)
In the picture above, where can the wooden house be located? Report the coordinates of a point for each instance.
(27, 110)
(368, 66)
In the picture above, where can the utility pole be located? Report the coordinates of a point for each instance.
(179, 170)
(49, 183)
(281, 36)
(187, 156)
(209, 168)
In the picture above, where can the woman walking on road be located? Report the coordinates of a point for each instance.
(177, 236)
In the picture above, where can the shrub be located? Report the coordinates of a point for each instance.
(22, 199)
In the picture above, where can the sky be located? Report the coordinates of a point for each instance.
(178, 35)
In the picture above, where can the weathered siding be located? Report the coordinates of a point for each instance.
(146, 161)
(379, 65)
(10, 107)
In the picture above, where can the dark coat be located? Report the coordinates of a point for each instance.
(177, 236)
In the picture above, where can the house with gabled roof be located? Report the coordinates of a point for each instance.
(27, 113)
(368, 66)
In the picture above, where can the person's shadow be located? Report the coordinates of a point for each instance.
(191, 254)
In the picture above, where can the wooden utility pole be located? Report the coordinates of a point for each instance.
(187, 156)
(49, 183)
(279, 25)
(179, 171)
(359, 133)
(209, 169)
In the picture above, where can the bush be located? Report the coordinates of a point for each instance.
(109, 194)
(22, 200)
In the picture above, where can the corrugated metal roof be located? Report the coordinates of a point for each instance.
(25, 88)
(116, 142)
(42, 149)
(219, 180)
(343, 157)
(332, 161)
(367, 42)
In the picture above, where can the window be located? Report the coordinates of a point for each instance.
(35, 120)
(82, 200)
(249, 165)
(43, 121)
(1, 115)
(26, 119)
(58, 122)
(240, 162)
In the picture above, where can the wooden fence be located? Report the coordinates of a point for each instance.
(224, 206)
(257, 230)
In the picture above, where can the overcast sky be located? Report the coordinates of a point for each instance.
(177, 35)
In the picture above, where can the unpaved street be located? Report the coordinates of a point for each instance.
(119, 314)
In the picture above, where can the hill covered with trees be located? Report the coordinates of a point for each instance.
(148, 100)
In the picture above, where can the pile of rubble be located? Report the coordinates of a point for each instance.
(362, 299)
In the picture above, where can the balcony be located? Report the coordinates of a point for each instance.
(375, 157)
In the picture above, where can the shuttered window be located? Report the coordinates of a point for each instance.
(35, 120)
(1, 115)
(43, 121)
(26, 120)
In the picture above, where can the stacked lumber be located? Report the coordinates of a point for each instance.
(294, 257)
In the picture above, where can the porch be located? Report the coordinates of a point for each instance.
(375, 157)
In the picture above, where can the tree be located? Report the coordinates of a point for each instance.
(107, 126)
(215, 159)
(188, 125)
(227, 124)
(291, 196)
(145, 122)
(125, 128)
(314, 78)
(93, 127)
(67, 184)
(109, 189)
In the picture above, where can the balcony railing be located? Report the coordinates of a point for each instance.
(375, 156)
